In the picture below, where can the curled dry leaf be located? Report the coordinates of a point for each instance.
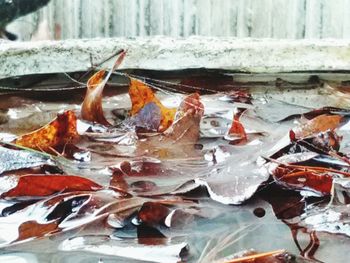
(56, 134)
(44, 185)
(141, 95)
(91, 110)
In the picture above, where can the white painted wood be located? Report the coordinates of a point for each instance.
(292, 19)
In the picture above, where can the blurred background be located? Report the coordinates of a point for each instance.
(292, 19)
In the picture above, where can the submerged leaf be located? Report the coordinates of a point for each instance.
(190, 103)
(59, 132)
(44, 185)
(55, 214)
(320, 182)
(300, 172)
(179, 139)
(11, 160)
(32, 229)
(148, 118)
(234, 185)
(318, 124)
(141, 95)
(171, 252)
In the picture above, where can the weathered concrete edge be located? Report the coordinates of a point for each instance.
(164, 53)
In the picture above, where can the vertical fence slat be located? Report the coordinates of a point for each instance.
(332, 25)
(244, 18)
(346, 18)
(262, 18)
(313, 19)
(189, 17)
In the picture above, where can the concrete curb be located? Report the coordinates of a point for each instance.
(164, 53)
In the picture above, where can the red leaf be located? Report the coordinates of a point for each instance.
(44, 185)
(319, 182)
(153, 213)
(237, 128)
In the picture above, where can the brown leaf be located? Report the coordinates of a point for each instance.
(33, 229)
(179, 139)
(91, 110)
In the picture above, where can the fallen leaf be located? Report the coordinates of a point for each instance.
(179, 139)
(318, 124)
(304, 179)
(190, 103)
(153, 213)
(141, 95)
(11, 160)
(300, 172)
(252, 256)
(33, 229)
(170, 252)
(237, 130)
(91, 109)
(44, 185)
(148, 118)
(59, 132)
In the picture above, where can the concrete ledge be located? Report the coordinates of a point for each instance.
(164, 53)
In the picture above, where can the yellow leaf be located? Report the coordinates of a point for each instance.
(141, 94)
(59, 132)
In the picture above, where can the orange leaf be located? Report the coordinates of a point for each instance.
(237, 128)
(59, 132)
(44, 185)
(141, 94)
(318, 124)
